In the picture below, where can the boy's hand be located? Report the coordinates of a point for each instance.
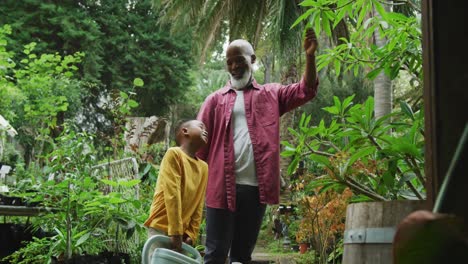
(189, 241)
(176, 243)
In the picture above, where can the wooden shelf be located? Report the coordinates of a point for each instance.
(22, 210)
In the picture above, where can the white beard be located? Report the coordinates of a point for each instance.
(241, 83)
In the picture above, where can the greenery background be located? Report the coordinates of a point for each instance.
(71, 72)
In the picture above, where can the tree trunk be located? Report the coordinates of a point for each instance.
(382, 83)
(267, 62)
(143, 131)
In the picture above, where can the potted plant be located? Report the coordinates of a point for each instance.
(378, 159)
(303, 237)
(112, 217)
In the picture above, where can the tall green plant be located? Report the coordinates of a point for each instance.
(72, 186)
(121, 40)
(402, 52)
(114, 214)
(64, 186)
(368, 38)
(37, 93)
(378, 158)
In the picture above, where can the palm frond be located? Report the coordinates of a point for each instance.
(287, 42)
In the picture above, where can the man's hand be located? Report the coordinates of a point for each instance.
(176, 243)
(310, 42)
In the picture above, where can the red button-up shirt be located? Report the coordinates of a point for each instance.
(264, 104)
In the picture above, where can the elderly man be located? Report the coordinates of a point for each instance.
(242, 120)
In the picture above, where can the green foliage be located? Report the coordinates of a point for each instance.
(336, 86)
(113, 213)
(68, 186)
(84, 216)
(37, 252)
(306, 258)
(402, 52)
(380, 158)
(39, 92)
(121, 40)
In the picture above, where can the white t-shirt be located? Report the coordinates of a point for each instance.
(243, 151)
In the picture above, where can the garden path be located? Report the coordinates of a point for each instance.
(261, 256)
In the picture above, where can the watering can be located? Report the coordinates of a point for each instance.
(164, 255)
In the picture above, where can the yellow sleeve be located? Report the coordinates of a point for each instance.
(194, 226)
(170, 180)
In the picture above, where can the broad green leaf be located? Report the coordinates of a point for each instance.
(337, 102)
(132, 103)
(394, 71)
(317, 26)
(123, 95)
(360, 154)
(362, 15)
(356, 70)
(293, 165)
(395, 16)
(347, 102)
(388, 180)
(287, 144)
(320, 159)
(130, 183)
(116, 200)
(361, 198)
(109, 182)
(302, 17)
(380, 10)
(337, 67)
(328, 186)
(374, 73)
(326, 25)
(331, 110)
(406, 109)
(147, 168)
(405, 148)
(301, 121)
(288, 153)
(307, 121)
(319, 182)
(406, 177)
(308, 3)
(138, 82)
(293, 132)
(82, 239)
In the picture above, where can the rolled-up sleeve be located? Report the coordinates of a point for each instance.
(296, 94)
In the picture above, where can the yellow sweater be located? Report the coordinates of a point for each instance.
(179, 196)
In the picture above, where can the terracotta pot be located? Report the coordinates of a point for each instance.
(303, 247)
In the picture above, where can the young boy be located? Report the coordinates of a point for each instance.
(178, 200)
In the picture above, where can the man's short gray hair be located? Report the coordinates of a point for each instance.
(244, 46)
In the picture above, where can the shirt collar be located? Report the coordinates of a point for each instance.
(228, 86)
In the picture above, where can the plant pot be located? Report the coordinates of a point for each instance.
(12, 237)
(370, 227)
(88, 259)
(11, 200)
(303, 247)
(119, 258)
(295, 248)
